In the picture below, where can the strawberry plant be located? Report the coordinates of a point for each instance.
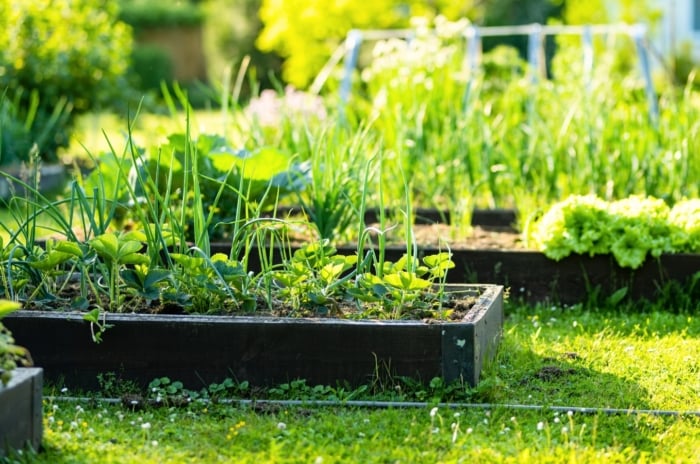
(404, 285)
(117, 251)
(206, 284)
(315, 277)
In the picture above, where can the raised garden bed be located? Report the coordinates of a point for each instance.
(264, 351)
(20, 410)
(534, 278)
(493, 255)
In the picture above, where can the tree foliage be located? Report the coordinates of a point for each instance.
(306, 32)
(66, 52)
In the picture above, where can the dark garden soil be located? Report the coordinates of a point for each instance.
(479, 238)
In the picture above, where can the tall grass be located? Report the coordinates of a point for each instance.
(499, 138)
(463, 139)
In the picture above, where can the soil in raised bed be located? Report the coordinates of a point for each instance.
(478, 238)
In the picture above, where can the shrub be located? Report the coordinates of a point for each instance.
(230, 31)
(65, 50)
(23, 129)
(143, 13)
(151, 65)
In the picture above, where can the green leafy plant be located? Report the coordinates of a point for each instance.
(10, 354)
(165, 391)
(629, 229)
(313, 279)
(332, 195)
(212, 284)
(318, 281)
(117, 251)
(406, 286)
(24, 129)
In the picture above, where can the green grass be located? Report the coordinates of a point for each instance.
(568, 357)
(231, 434)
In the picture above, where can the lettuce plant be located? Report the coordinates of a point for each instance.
(629, 229)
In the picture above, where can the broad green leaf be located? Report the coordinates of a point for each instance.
(406, 281)
(79, 303)
(106, 246)
(437, 259)
(367, 280)
(6, 307)
(132, 278)
(617, 296)
(69, 247)
(92, 316)
(128, 247)
(364, 295)
(264, 164)
(331, 271)
(134, 258)
(219, 257)
(155, 276)
(50, 260)
(136, 235)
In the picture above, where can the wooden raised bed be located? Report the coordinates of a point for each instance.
(529, 275)
(20, 410)
(265, 351)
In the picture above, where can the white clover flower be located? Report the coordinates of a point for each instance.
(281, 425)
(540, 426)
(146, 426)
(433, 412)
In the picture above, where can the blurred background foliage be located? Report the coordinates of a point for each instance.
(60, 58)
